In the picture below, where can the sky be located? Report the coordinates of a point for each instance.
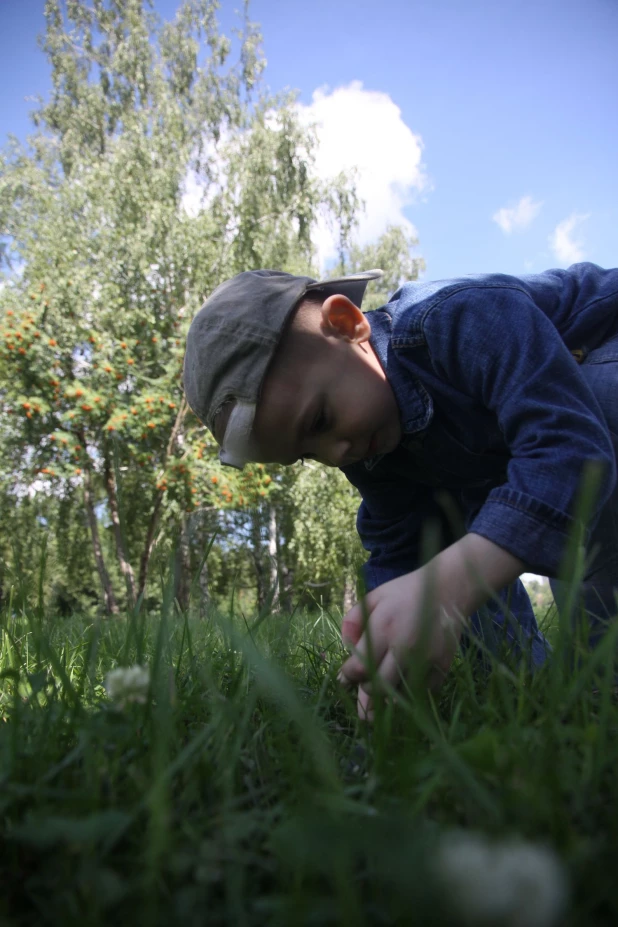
(487, 129)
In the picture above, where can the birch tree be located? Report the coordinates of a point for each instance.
(156, 169)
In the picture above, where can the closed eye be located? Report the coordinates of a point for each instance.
(319, 423)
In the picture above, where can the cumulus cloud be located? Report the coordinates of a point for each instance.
(518, 217)
(363, 130)
(565, 247)
(197, 195)
(360, 131)
(192, 195)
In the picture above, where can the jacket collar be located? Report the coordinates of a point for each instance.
(414, 402)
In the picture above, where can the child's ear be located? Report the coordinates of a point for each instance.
(342, 319)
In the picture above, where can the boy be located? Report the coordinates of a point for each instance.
(483, 395)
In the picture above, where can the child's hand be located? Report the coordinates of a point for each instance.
(351, 633)
(403, 618)
(397, 612)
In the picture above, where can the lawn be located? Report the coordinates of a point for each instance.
(235, 785)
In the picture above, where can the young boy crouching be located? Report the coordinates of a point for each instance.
(487, 394)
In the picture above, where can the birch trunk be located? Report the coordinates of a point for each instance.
(183, 567)
(112, 499)
(349, 594)
(256, 555)
(204, 590)
(149, 542)
(111, 606)
(287, 582)
(153, 522)
(273, 552)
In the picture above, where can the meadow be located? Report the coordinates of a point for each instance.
(177, 762)
(231, 782)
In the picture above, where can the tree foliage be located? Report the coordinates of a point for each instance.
(328, 549)
(157, 168)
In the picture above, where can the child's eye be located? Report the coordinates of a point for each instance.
(319, 423)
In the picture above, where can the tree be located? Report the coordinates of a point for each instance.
(107, 260)
(393, 253)
(327, 548)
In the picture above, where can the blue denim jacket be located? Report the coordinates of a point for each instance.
(497, 420)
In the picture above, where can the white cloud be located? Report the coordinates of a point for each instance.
(197, 194)
(567, 249)
(363, 130)
(515, 218)
(358, 130)
(192, 194)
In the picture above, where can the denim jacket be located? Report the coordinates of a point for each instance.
(497, 420)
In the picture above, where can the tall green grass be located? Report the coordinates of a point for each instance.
(245, 791)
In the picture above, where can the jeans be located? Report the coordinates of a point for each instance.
(514, 622)
(600, 584)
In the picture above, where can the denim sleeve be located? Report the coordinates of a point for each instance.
(391, 521)
(391, 542)
(496, 345)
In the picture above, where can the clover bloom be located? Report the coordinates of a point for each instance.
(128, 684)
(512, 883)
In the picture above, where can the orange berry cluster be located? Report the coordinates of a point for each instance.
(19, 334)
(62, 441)
(250, 488)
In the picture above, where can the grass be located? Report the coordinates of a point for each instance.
(245, 791)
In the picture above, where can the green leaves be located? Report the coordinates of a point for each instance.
(157, 168)
(49, 831)
(327, 547)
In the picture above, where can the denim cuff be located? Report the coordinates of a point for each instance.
(528, 528)
(376, 575)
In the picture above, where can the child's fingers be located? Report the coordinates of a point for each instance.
(344, 681)
(388, 671)
(355, 668)
(364, 706)
(352, 627)
(353, 622)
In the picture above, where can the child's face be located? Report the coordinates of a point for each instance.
(326, 395)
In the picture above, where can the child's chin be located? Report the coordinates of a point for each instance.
(389, 442)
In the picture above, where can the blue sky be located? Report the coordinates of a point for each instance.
(491, 128)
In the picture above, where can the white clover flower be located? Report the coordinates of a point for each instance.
(512, 883)
(128, 684)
